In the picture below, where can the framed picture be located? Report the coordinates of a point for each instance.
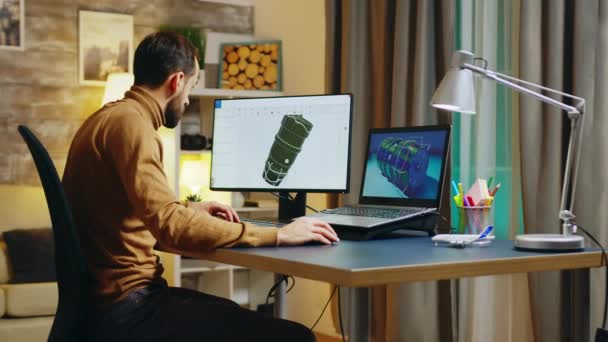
(105, 45)
(251, 66)
(12, 24)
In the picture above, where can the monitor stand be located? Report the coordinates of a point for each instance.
(291, 207)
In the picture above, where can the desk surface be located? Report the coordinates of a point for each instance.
(368, 263)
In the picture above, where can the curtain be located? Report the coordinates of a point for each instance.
(563, 44)
(391, 54)
(590, 81)
(493, 308)
(540, 61)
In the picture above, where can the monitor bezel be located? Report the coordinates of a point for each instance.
(307, 190)
(410, 202)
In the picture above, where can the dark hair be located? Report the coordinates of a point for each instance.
(160, 54)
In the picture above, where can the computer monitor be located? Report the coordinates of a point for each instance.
(282, 144)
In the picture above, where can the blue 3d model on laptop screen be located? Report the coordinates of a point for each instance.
(404, 164)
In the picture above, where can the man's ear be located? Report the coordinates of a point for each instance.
(175, 82)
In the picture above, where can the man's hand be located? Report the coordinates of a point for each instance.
(306, 229)
(216, 209)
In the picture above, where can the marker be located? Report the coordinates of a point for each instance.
(489, 201)
(455, 188)
(458, 201)
(470, 200)
(465, 201)
(490, 182)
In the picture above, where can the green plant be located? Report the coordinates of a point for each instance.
(193, 34)
(194, 198)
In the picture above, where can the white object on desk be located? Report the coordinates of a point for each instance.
(461, 240)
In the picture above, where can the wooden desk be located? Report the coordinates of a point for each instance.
(362, 264)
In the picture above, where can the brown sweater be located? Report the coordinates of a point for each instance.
(123, 206)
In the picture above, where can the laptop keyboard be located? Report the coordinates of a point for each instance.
(388, 213)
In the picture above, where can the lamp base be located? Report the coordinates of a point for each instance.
(549, 242)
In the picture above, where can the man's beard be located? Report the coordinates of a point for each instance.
(173, 113)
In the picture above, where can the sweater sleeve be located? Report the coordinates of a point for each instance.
(134, 149)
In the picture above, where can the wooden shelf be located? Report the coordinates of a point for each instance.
(229, 93)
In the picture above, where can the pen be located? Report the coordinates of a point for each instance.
(490, 182)
(495, 189)
(460, 190)
(485, 232)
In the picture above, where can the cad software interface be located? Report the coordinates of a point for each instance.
(404, 164)
(279, 143)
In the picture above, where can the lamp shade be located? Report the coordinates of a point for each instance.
(456, 91)
(116, 86)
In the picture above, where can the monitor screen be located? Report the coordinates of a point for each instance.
(292, 143)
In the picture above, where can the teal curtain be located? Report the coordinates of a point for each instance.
(483, 145)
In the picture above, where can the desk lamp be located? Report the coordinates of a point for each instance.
(456, 93)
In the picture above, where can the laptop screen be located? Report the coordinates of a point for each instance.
(405, 166)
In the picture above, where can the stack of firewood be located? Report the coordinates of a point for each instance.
(253, 66)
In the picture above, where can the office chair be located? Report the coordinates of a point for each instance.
(70, 322)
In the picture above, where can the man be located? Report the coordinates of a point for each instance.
(123, 207)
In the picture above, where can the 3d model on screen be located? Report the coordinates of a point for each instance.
(404, 163)
(287, 145)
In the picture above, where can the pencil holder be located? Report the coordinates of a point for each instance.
(473, 220)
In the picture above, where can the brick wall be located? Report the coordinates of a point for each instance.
(39, 86)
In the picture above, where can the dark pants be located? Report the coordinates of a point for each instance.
(162, 313)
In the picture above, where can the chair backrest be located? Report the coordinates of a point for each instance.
(70, 322)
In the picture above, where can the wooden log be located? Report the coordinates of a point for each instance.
(265, 61)
(244, 52)
(233, 69)
(270, 75)
(252, 70)
(255, 56)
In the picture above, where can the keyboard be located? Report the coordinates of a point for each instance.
(388, 213)
(262, 223)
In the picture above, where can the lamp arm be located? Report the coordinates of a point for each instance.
(576, 162)
(565, 213)
(580, 101)
(572, 111)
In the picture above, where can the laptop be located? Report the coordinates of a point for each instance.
(403, 177)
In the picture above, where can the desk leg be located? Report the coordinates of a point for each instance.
(358, 325)
(280, 305)
(578, 306)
